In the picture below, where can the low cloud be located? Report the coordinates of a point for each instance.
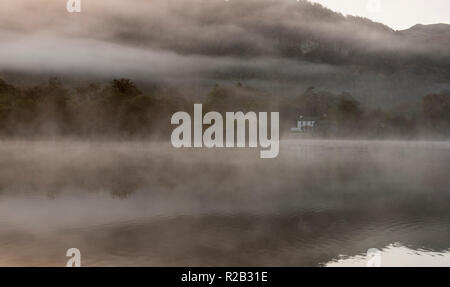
(265, 41)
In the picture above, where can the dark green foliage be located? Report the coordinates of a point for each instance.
(436, 109)
(349, 110)
(121, 109)
(118, 109)
(8, 93)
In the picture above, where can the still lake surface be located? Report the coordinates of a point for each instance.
(320, 203)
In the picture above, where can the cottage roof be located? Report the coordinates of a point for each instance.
(306, 119)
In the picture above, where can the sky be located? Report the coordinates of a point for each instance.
(397, 14)
(282, 46)
(189, 40)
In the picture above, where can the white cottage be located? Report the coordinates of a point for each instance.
(305, 124)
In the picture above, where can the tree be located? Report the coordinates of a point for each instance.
(436, 109)
(348, 108)
(8, 94)
(125, 88)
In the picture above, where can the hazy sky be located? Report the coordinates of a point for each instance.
(398, 14)
(265, 41)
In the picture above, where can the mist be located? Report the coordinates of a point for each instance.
(141, 203)
(283, 46)
(85, 158)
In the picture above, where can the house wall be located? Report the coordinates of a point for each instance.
(301, 125)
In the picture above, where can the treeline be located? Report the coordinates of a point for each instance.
(121, 109)
(117, 109)
(341, 115)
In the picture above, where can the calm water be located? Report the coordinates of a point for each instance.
(319, 203)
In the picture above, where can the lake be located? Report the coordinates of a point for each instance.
(320, 203)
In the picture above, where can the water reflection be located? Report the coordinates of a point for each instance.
(396, 255)
(147, 204)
